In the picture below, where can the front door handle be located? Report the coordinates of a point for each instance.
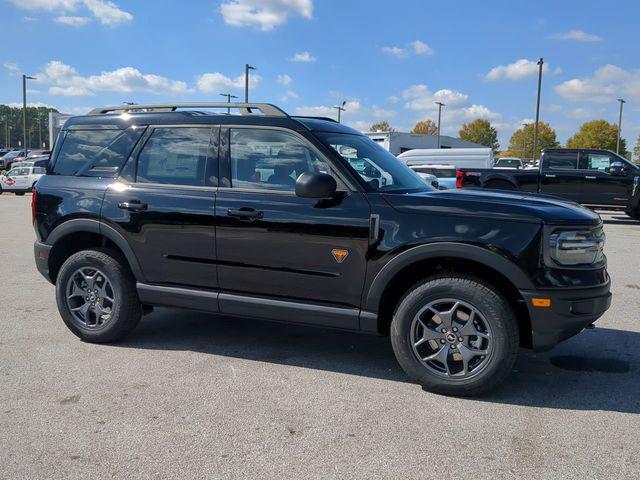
(590, 177)
(549, 175)
(132, 205)
(245, 213)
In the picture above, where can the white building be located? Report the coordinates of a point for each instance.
(400, 142)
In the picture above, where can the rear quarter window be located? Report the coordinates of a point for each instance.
(95, 153)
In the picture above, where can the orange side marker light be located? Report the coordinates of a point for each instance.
(541, 302)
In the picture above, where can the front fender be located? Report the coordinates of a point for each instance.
(482, 255)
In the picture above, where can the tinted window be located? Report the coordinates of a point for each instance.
(270, 159)
(561, 161)
(177, 156)
(95, 153)
(39, 170)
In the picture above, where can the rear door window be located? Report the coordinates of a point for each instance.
(178, 156)
(95, 153)
(561, 161)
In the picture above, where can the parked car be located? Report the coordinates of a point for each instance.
(164, 207)
(597, 178)
(458, 157)
(446, 174)
(20, 180)
(8, 158)
(633, 207)
(508, 162)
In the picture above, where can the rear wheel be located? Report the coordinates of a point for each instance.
(455, 335)
(20, 193)
(97, 297)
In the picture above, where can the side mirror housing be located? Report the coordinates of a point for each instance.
(316, 185)
(617, 170)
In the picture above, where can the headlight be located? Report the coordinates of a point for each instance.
(577, 247)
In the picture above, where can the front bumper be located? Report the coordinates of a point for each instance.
(571, 310)
(41, 252)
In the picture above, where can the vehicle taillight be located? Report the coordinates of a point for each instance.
(459, 176)
(34, 196)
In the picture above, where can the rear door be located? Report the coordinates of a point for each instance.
(165, 207)
(600, 187)
(559, 175)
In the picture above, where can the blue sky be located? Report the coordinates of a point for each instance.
(388, 60)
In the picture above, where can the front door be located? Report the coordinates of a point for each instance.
(166, 209)
(600, 187)
(282, 248)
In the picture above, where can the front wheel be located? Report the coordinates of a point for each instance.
(96, 296)
(455, 335)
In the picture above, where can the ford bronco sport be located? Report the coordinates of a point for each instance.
(263, 214)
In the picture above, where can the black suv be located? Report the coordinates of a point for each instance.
(266, 215)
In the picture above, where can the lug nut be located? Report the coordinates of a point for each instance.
(460, 339)
(87, 299)
(442, 341)
(455, 329)
(444, 330)
(453, 347)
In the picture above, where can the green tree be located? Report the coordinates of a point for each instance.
(597, 134)
(11, 125)
(482, 132)
(382, 127)
(426, 127)
(522, 140)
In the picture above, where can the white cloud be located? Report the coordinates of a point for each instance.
(217, 82)
(72, 20)
(393, 99)
(303, 57)
(284, 79)
(265, 14)
(289, 95)
(12, 68)
(605, 85)
(517, 70)
(396, 52)
(351, 108)
(421, 48)
(106, 11)
(576, 35)
(64, 80)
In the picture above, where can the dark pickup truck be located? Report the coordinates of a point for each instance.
(589, 177)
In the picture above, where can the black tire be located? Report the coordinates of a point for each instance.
(633, 214)
(495, 311)
(126, 308)
(499, 185)
(19, 193)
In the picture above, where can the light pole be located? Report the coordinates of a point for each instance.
(40, 145)
(247, 67)
(440, 105)
(6, 124)
(535, 132)
(622, 102)
(524, 141)
(229, 97)
(9, 128)
(340, 109)
(24, 109)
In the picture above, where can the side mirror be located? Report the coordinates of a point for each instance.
(316, 185)
(617, 170)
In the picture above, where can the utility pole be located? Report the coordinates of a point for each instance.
(24, 109)
(247, 67)
(440, 105)
(622, 102)
(524, 142)
(340, 109)
(228, 97)
(9, 136)
(535, 132)
(40, 145)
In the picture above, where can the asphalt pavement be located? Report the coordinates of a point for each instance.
(192, 395)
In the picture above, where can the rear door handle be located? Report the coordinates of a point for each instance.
(590, 177)
(548, 175)
(132, 205)
(245, 213)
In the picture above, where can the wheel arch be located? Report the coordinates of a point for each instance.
(81, 233)
(421, 262)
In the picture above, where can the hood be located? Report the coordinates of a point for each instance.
(510, 206)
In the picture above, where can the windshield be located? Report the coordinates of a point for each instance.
(381, 171)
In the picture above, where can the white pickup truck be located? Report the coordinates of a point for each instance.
(20, 180)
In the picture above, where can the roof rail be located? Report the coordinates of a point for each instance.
(267, 109)
(311, 117)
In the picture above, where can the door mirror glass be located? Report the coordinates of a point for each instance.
(316, 185)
